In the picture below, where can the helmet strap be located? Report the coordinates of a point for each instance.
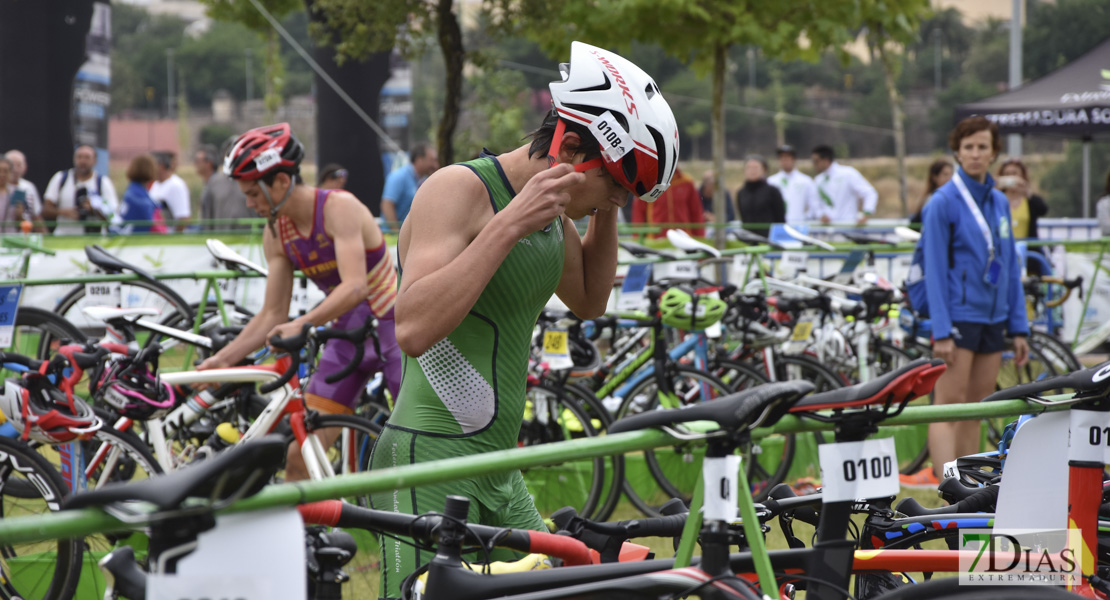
(274, 208)
(557, 144)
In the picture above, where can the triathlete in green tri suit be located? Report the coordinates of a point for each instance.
(486, 244)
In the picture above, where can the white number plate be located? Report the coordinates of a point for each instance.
(1090, 436)
(106, 293)
(680, 269)
(298, 303)
(858, 470)
(791, 262)
(720, 476)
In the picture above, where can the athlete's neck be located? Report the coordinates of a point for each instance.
(520, 168)
(301, 207)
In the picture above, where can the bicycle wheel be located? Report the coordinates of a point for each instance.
(39, 332)
(598, 413)
(1010, 374)
(47, 569)
(1057, 352)
(911, 442)
(350, 452)
(675, 471)
(768, 460)
(133, 294)
(551, 414)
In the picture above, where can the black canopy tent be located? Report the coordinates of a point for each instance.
(1072, 101)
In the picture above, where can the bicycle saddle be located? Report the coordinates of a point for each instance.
(642, 251)
(912, 380)
(760, 406)
(683, 241)
(110, 264)
(230, 258)
(858, 238)
(754, 239)
(239, 472)
(1088, 383)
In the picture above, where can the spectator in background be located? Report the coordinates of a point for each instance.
(79, 194)
(25, 192)
(221, 198)
(940, 173)
(332, 177)
(844, 196)
(1025, 207)
(759, 202)
(137, 203)
(1102, 209)
(798, 191)
(169, 190)
(679, 204)
(401, 184)
(707, 190)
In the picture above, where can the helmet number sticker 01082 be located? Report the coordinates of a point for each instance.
(267, 159)
(615, 141)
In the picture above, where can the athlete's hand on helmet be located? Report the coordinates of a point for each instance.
(543, 198)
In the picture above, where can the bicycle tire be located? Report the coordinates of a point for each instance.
(1010, 374)
(644, 396)
(913, 449)
(17, 460)
(39, 332)
(552, 414)
(594, 407)
(137, 293)
(1058, 352)
(950, 588)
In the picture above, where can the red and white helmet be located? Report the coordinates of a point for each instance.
(262, 151)
(623, 108)
(42, 412)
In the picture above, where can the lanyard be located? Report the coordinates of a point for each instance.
(975, 212)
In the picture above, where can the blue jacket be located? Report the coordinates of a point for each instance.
(958, 291)
(137, 206)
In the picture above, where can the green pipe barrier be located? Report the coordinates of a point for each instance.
(89, 521)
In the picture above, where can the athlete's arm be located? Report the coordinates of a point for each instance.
(344, 219)
(275, 308)
(452, 247)
(389, 213)
(590, 265)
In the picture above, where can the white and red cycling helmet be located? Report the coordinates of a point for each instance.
(262, 151)
(42, 412)
(623, 108)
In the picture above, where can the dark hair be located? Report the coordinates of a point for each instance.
(1016, 162)
(418, 150)
(208, 152)
(328, 172)
(541, 138)
(294, 174)
(971, 126)
(164, 158)
(89, 146)
(934, 169)
(759, 159)
(141, 169)
(825, 152)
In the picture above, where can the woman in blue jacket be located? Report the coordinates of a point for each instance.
(973, 282)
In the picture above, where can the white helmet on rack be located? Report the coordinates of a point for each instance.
(623, 108)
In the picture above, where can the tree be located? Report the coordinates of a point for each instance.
(891, 26)
(1059, 32)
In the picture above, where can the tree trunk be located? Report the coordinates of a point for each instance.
(43, 45)
(341, 136)
(780, 106)
(720, 211)
(898, 121)
(451, 45)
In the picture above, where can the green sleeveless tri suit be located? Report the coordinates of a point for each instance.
(465, 395)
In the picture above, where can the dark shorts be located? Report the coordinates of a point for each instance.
(982, 338)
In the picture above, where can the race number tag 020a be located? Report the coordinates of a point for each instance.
(106, 293)
(555, 351)
(858, 470)
(720, 475)
(9, 306)
(1090, 436)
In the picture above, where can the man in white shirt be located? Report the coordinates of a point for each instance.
(79, 194)
(23, 190)
(802, 202)
(844, 196)
(169, 190)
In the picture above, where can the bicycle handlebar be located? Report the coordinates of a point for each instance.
(309, 336)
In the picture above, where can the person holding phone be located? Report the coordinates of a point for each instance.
(1025, 207)
(23, 192)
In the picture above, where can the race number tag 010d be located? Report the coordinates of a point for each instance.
(858, 470)
(106, 293)
(555, 351)
(1090, 436)
(9, 306)
(720, 475)
(679, 269)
